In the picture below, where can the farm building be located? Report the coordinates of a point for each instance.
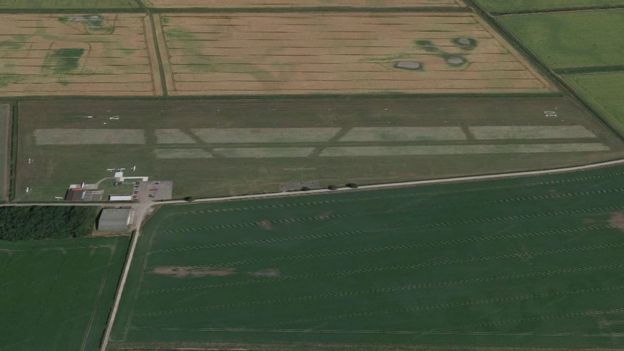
(115, 219)
(83, 194)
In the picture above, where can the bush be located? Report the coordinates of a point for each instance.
(352, 185)
(46, 222)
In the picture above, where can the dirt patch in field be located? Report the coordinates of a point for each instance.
(268, 273)
(194, 272)
(103, 234)
(265, 224)
(617, 220)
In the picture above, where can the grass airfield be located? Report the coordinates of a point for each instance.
(5, 137)
(524, 263)
(216, 147)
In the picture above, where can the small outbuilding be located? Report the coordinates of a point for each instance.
(115, 219)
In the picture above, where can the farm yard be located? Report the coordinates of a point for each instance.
(309, 53)
(67, 54)
(526, 263)
(66, 286)
(219, 147)
(5, 139)
(301, 3)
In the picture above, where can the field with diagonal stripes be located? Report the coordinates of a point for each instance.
(520, 263)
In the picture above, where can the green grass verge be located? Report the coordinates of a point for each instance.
(571, 39)
(532, 262)
(67, 4)
(603, 91)
(504, 6)
(55, 295)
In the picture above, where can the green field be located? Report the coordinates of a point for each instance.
(604, 92)
(5, 136)
(238, 146)
(571, 39)
(56, 294)
(532, 262)
(579, 42)
(504, 6)
(67, 4)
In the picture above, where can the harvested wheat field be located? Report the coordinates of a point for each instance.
(302, 3)
(307, 53)
(54, 54)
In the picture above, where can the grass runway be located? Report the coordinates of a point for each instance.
(5, 137)
(533, 262)
(222, 147)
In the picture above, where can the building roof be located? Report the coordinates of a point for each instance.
(74, 194)
(115, 219)
(120, 198)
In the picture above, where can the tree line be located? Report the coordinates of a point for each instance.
(46, 222)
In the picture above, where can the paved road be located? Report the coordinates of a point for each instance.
(141, 211)
(405, 184)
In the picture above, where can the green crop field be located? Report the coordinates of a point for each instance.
(56, 294)
(504, 6)
(604, 92)
(5, 136)
(531, 262)
(239, 146)
(67, 4)
(571, 39)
